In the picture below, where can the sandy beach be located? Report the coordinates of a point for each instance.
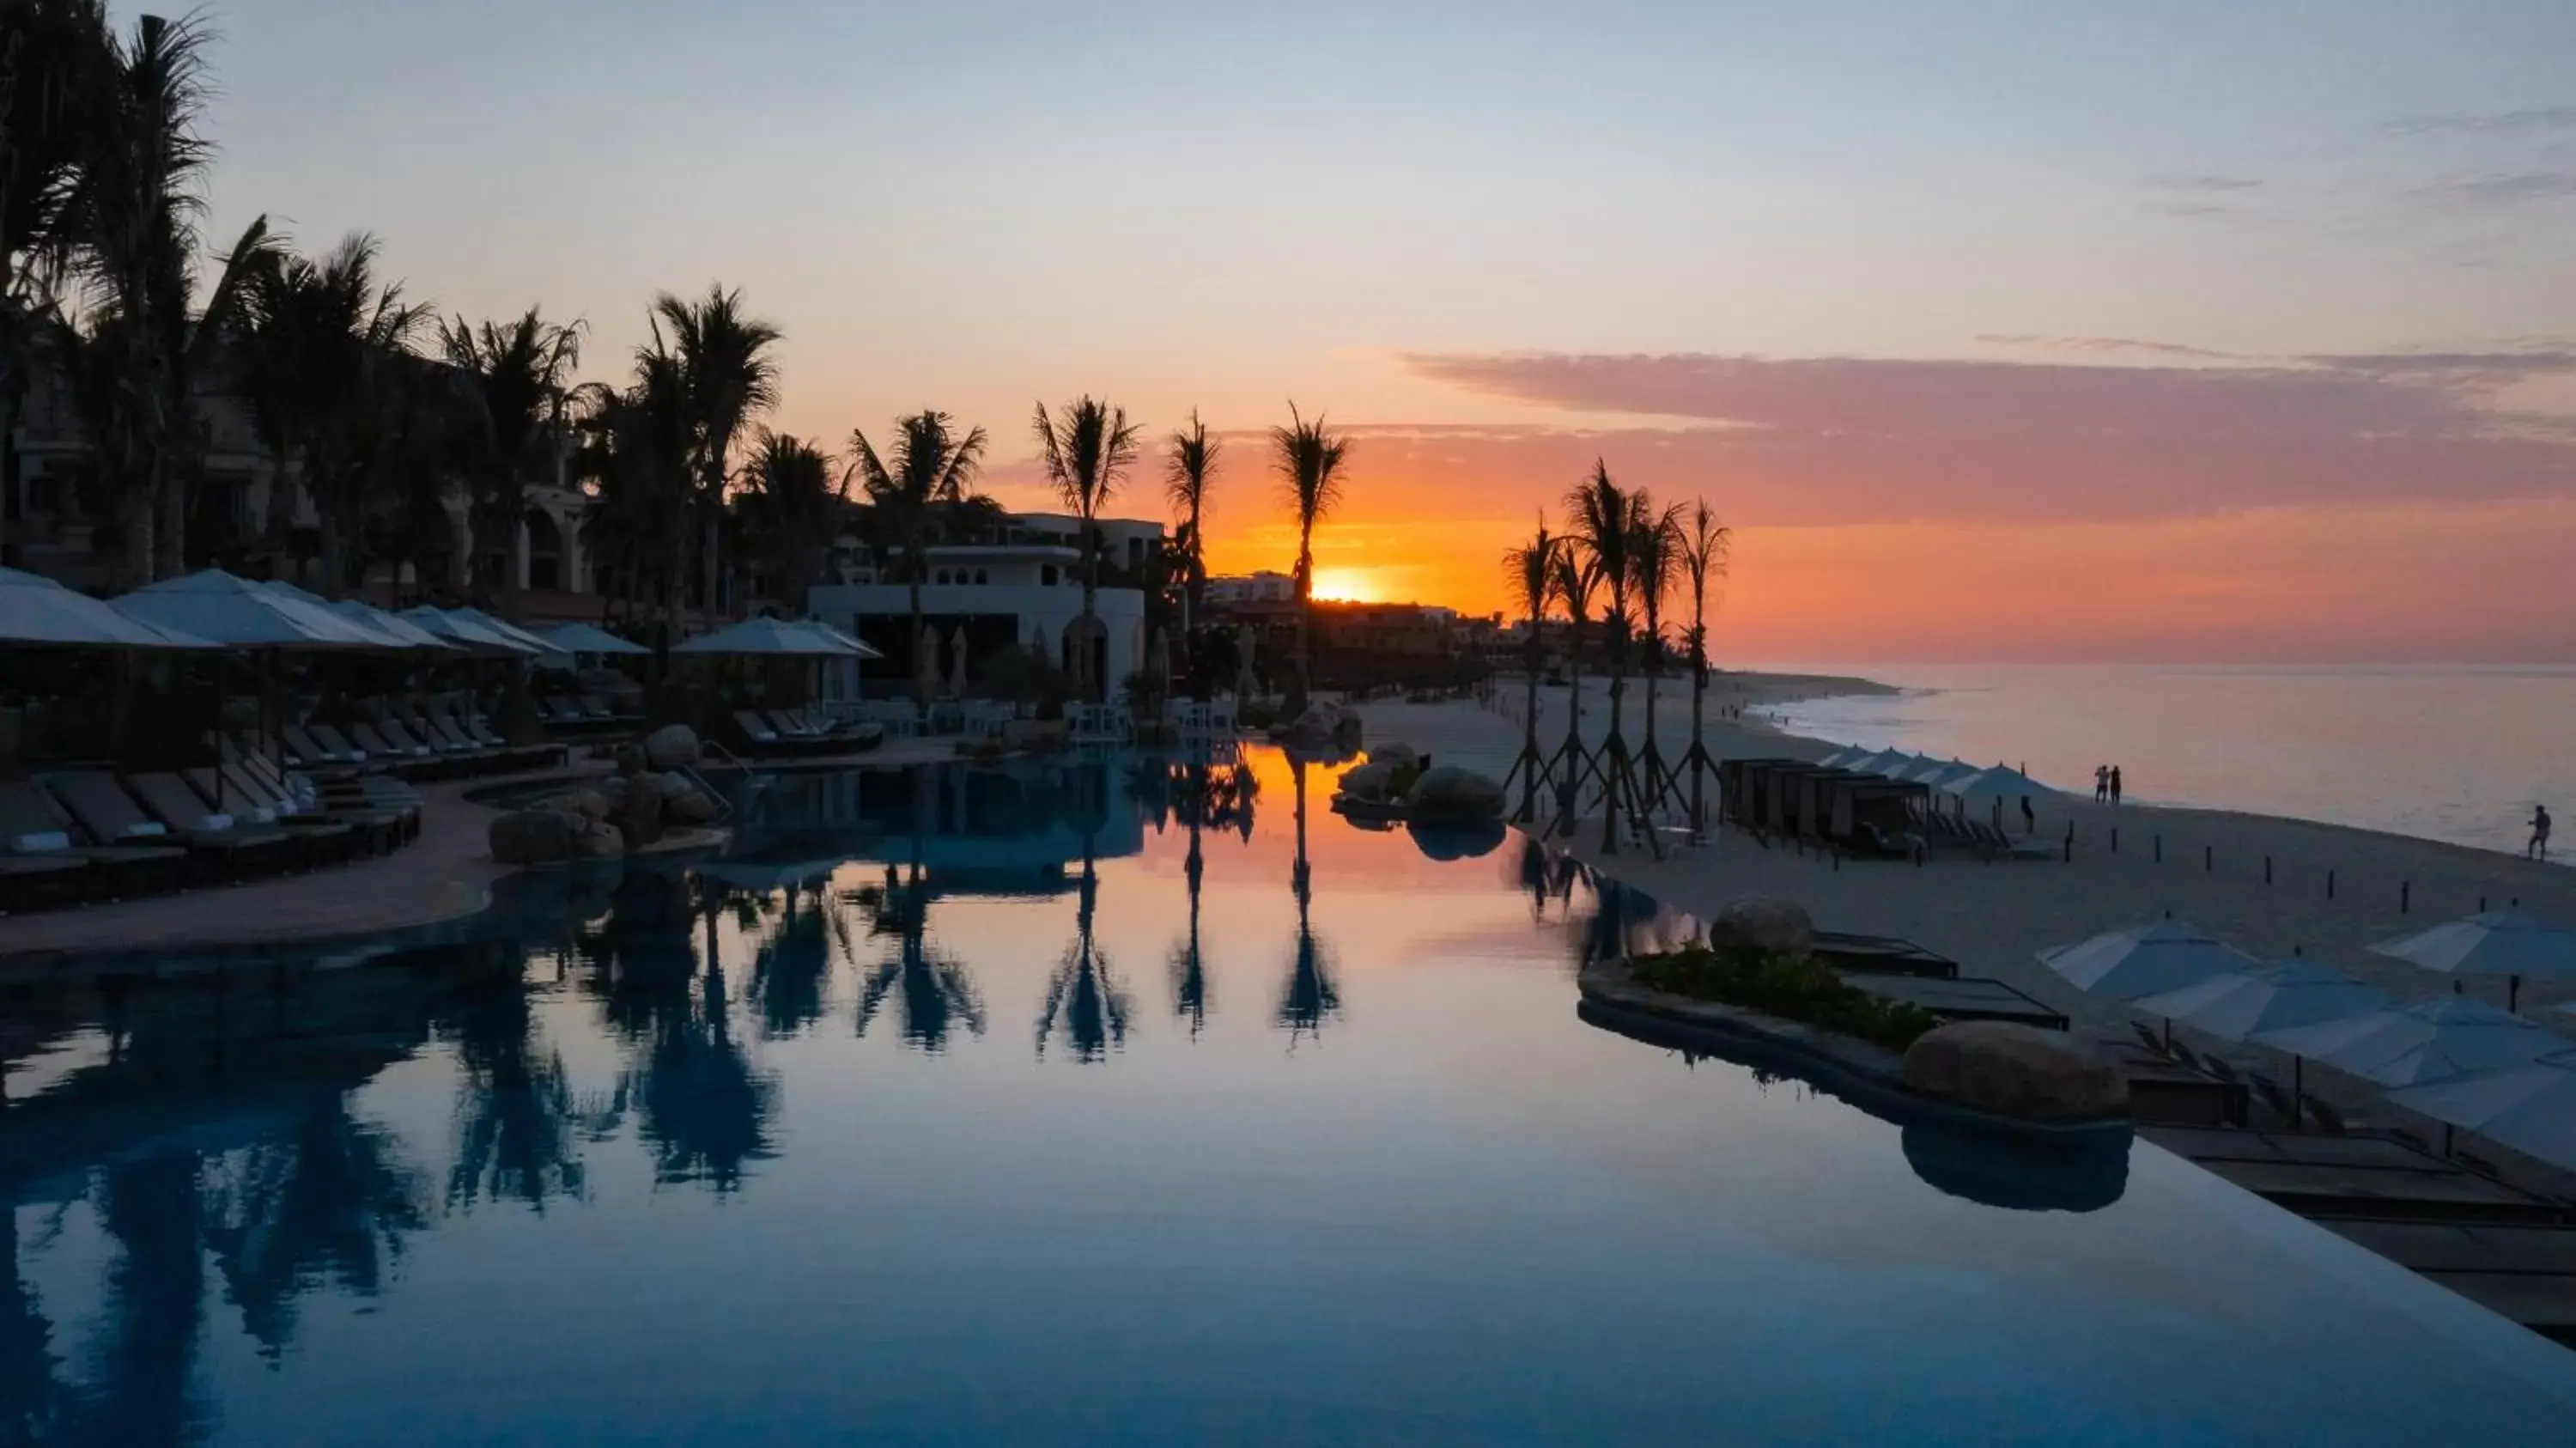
(1993, 918)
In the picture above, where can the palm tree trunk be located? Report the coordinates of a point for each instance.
(1529, 733)
(1094, 659)
(12, 403)
(912, 650)
(1570, 786)
(1699, 696)
(170, 495)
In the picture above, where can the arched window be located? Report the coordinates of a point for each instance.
(1046, 575)
(940, 576)
(982, 577)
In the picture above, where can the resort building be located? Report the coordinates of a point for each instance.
(1262, 587)
(1022, 588)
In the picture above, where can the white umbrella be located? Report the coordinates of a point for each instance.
(37, 610)
(772, 636)
(1996, 783)
(1843, 757)
(2511, 943)
(391, 624)
(857, 646)
(2425, 1041)
(925, 662)
(2267, 998)
(1888, 762)
(217, 606)
(582, 638)
(1940, 775)
(2145, 960)
(957, 662)
(508, 630)
(465, 632)
(2531, 1108)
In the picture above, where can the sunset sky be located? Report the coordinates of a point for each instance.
(2178, 330)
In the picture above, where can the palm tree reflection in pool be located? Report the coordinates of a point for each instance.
(516, 1118)
(1311, 996)
(1085, 1004)
(936, 990)
(794, 961)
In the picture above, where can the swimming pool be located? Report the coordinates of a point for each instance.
(1024, 1127)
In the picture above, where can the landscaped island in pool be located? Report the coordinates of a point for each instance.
(1043, 1104)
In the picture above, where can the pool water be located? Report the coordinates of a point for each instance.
(1106, 1101)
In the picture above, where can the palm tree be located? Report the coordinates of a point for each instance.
(932, 468)
(1704, 544)
(134, 217)
(792, 509)
(517, 373)
(324, 343)
(53, 56)
(731, 366)
(1087, 450)
(1085, 1002)
(1187, 472)
(634, 454)
(1606, 523)
(1654, 555)
(1309, 459)
(1310, 996)
(1577, 579)
(1529, 572)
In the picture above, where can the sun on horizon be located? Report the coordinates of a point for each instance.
(1348, 585)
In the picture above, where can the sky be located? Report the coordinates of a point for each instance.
(1996, 331)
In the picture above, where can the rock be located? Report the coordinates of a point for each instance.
(2018, 1071)
(1400, 756)
(587, 804)
(1369, 783)
(534, 836)
(1448, 794)
(670, 747)
(690, 805)
(1764, 927)
(640, 819)
(600, 842)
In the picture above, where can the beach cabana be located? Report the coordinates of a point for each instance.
(2530, 1108)
(2146, 960)
(583, 638)
(35, 611)
(2424, 1041)
(466, 634)
(2511, 943)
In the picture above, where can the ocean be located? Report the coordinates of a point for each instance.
(2456, 754)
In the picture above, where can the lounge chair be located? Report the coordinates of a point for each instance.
(2406, 1138)
(239, 849)
(2328, 1120)
(32, 823)
(353, 797)
(33, 881)
(2148, 1038)
(309, 750)
(326, 840)
(594, 707)
(758, 735)
(2478, 1164)
(2274, 1097)
(330, 737)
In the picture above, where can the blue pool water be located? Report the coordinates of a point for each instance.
(921, 1121)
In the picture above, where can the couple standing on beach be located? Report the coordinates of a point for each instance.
(2106, 784)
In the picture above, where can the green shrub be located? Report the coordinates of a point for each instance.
(1805, 991)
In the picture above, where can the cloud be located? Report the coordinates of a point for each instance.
(1827, 440)
(2501, 190)
(2487, 123)
(2103, 344)
(2203, 181)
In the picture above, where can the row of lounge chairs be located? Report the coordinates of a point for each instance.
(585, 714)
(773, 733)
(436, 742)
(89, 835)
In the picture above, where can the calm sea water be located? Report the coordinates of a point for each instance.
(2447, 754)
(1085, 1104)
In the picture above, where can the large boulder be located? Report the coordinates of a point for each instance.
(1760, 926)
(1369, 783)
(1448, 794)
(688, 805)
(1399, 756)
(587, 804)
(600, 842)
(2018, 1071)
(640, 818)
(671, 747)
(534, 836)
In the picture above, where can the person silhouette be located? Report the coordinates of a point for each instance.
(2538, 849)
(2101, 783)
(2115, 784)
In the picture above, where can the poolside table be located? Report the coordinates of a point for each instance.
(1968, 998)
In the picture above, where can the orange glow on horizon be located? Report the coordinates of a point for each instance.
(1348, 585)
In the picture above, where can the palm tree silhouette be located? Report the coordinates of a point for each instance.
(730, 365)
(517, 375)
(1310, 996)
(1187, 472)
(1577, 578)
(932, 468)
(1309, 460)
(1704, 546)
(1654, 556)
(1188, 962)
(1087, 451)
(793, 963)
(936, 990)
(1530, 572)
(325, 1201)
(1608, 522)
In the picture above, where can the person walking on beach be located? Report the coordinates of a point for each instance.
(2101, 783)
(2115, 784)
(2029, 820)
(2538, 849)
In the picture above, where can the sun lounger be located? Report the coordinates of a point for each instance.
(325, 840)
(237, 849)
(330, 737)
(33, 881)
(758, 735)
(32, 823)
(346, 795)
(2328, 1120)
(595, 707)
(309, 750)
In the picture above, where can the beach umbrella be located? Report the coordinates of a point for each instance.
(1939, 775)
(2423, 1041)
(2268, 997)
(1996, 783)
(582, 638)
(2511, 943)
(218, 607)
(1843, 757)
(2145, 960)
(508, 630)
(35, 610)
(1888, 762)
(925, 661)
(775, 637)
(957, 662)
(392, 625)
(2530, 1108)
(858, 647)
(1247, 684)
(464, 633)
